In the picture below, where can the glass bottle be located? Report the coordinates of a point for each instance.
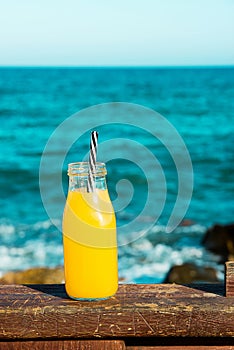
(89, 235)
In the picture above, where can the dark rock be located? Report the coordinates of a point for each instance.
(189, 273)
(220, 240)
(37, 275)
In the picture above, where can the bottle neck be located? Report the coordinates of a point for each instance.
(79, 173)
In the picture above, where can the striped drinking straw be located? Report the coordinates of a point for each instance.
(92, 160)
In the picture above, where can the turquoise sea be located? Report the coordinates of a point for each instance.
(198, 102)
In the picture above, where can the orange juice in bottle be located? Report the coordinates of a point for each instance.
(89, 236)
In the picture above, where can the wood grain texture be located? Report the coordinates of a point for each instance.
(64, 345)
(229, 276)
(166, 310)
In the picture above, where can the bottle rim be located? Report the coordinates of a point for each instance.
(83, 169)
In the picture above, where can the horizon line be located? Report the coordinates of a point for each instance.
(121, 66)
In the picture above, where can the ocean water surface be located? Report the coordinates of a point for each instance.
(198, 102)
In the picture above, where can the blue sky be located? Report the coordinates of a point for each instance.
(116, 32)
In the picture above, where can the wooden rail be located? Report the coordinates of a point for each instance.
(162, 316)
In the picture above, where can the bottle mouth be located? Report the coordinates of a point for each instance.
(83, 169)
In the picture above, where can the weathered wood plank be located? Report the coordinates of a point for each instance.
(64, 345)
(44, 311)
(229, 276)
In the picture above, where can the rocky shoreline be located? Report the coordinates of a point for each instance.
(218, 239)
(35, 275)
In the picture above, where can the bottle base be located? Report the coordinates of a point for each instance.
(89, 299)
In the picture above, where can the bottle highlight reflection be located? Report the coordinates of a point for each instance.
(89, 236)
